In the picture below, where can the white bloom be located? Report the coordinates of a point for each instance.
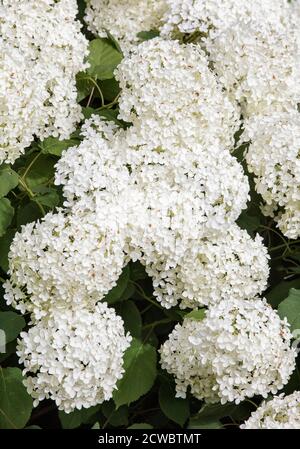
(74, 357)
(124, 19)
(282, 412)
(254, 47)
(168, 89)
(212, 16)
(274, 158)
(240, 349)
(230, 264)
(64, 261)
(41, 51)
(259, 65)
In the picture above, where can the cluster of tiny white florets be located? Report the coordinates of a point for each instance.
(254, 48)
(282, 412)
(240, 349)
(209, 17)
(41, 51)
(169, 88)
(124, 19)
(62, 262)
(230, 264)
(74, 357)
(274, 158)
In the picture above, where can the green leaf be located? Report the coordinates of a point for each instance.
(281, 291)
(28, 213)
(215, 411)
(198, 315)
(174, 408)
(196, 423)
(103, 59)
(6, 215)
(110, 89)
(47, 196)
(140, 373)
(131, 316)
(5, 242)
(12, 324)
(290, 308)
(15, 402)
(115, 417)
(248, 222)
(84, 86)
(137, 271)
(78, 417)
(147, 35)
(41, 172)
(141, 425)
(8, 180)
(52, 145)
(116, 293)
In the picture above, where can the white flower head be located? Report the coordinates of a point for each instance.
(240, 349)
(74, 357)
(274, 158)
(281, 412)
(65, 261)
(230, 264)
(41, 51)
(124, 19)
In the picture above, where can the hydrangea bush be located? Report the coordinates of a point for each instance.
(149, 214)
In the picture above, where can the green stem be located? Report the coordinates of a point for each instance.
(275, 248)
(143, 294)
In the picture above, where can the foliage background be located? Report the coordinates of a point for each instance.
(146, 395)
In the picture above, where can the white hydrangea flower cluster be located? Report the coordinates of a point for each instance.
(230, 264)
(274, 158)
(124, 19)
(168, 87)
(172, 196)
(62, 262)
(157, 192)
(240, 349)
(254, 48)
(74, 357)
(41, 51)
(282, 412)
(209, 17)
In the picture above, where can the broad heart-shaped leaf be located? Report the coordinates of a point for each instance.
(176, 409)
(41, 172)
(215, 411)
(196, 423)
(15, 402)
(147, 35)
(290, 308)
(115, 417)
(78, 417)
(8, 180)
(12, 324)
(141, 425)
(131, 317)
(52, 145)
(47, 196)
(281, 291)
(6, 215)
(103, 59)
(197, 315)
(140, 373)
(116, 293)
(5, 242)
